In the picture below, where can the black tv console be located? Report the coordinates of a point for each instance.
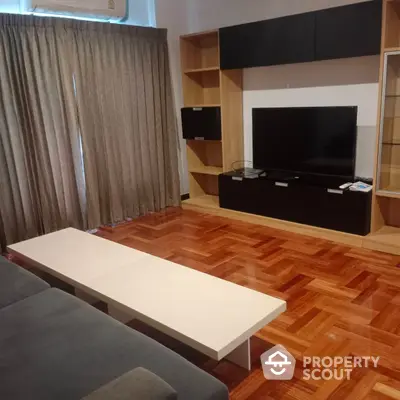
(297, 201)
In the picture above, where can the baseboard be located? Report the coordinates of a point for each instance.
(293, 227)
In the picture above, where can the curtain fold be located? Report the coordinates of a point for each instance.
(41, 176)
(88, 132)
(126, 113)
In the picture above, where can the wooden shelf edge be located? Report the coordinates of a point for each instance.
(201, 105)
(390, 49)
(203, 141)
(199, 34)
(206, 170)
(387, 194)
(201, 70)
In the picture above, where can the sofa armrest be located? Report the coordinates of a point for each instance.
(137, 384)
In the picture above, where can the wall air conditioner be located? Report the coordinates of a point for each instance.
(110, 10)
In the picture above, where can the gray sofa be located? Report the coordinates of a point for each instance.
(55, 346)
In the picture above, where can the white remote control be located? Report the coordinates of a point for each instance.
(345, 186)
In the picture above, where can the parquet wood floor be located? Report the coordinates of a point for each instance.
(341, 301)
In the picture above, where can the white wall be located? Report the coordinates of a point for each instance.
(173, 15)
(338, 82)
(9, 6)
(212, 14)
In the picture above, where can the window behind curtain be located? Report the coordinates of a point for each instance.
(140, 12)
(10, 6)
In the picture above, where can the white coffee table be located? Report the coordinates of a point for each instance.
(214, 316)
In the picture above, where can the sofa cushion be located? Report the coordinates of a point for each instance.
(137, 384)
(16, 283)
(54, 346)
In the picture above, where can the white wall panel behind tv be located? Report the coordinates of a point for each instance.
(350, 82)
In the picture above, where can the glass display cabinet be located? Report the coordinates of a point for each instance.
(389, 146)
(385, 227)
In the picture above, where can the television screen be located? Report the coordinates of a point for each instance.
(312, 140)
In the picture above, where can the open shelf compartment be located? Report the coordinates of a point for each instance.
(200, 51)
(392, 27)
(204, 164)
(204, 157)
(202, 88)
(202, 186)
(390, 169)
(387, 237)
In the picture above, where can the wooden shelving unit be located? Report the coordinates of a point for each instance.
(385, 232)
(205, 85)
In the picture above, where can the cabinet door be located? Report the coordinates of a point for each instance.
(201, 123)
(285, 40)
(245, 195)
(349, 31)
(348, 212)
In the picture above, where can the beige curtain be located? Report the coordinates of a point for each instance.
(127, 120)
(88, 132)
(41, 174)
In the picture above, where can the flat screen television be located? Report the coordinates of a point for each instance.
(306, 140)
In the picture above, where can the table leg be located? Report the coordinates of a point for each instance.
(119, 315)
(87, 298)
(241, 355)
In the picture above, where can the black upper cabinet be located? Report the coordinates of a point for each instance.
(341, 32)
(349, 31)
(277, 41)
